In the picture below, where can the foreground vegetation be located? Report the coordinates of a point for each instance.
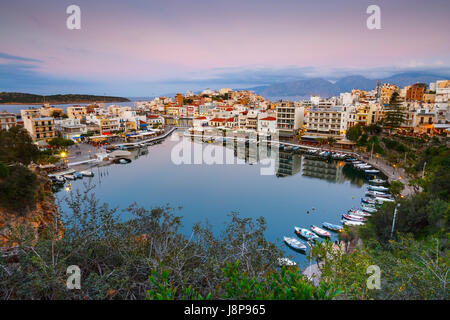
(147, 257)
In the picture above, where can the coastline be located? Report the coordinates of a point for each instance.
(58, 103)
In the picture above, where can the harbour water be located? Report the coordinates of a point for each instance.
(304, 190)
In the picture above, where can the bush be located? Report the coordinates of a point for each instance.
(18, 189)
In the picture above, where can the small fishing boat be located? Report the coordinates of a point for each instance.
(87, 173)
(295, 244)
(320, 231)
(359, 213)
(377, 181)
(378, 188)
(124, 161)
(368, 201)
(332, 227)
(305, 233)
(378, 194)
(70, 177)
(286, 261)
(353, 217)
(368, 209)
(381, 200)
(352, 223)
(59, 178)
(77, 175)
(372, 171)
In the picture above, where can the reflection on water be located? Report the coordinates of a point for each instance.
(206, 192)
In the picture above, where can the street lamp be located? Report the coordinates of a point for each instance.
(393, 220)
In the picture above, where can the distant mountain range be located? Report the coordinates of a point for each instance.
(326, 88)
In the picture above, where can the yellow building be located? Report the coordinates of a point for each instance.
(76, 112)
(386, 92)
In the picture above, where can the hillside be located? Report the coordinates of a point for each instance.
(27, 98)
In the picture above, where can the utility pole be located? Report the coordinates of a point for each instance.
(393, 220)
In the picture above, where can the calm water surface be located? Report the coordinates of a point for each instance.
(210, 192)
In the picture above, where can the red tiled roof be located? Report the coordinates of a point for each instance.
(200, 118)
(217, 120)
(269, 119)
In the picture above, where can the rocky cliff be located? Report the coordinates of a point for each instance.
(34, 220)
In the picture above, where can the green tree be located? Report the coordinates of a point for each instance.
(61, 142)
(16, 146)
(396, 114)
(353, 133)
(396, 188)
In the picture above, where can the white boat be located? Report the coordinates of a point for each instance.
(70, 177)
(352, 223)
(60, 179)
(87, 173)
(305, 233)
(377, 181)
(332, 227)
(368, 209)
(378, 194)
(359, 213)
(378, 188)
(381, 200)
(320, 231)
(294, 243)
(371, 171)
(286, 262)
(354, 217)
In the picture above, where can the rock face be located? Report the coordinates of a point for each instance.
(35, 220)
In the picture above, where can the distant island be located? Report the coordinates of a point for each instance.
(27, 98)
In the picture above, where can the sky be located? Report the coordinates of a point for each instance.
(144, 48)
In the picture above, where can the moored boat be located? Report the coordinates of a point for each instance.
(295, 244)
(378, 188)
(371, 171)
(381, 200)
(87, 173)
(359, 213)
(368, 209)
(77, 175)
(320, 231)
(353, 217)
(332, 227)
(70, 177)
(377, 181)
(305, 233)
(352, 223)
(368, 201)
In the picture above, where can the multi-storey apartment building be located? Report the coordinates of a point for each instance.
(78, 112)
(289, 117)
(39, 128)
(7, 120)
(415, 92)
(386, 92)
(326, 122)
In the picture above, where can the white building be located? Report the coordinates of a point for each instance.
(267, 125)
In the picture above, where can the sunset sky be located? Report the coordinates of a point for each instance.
(143, 48)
